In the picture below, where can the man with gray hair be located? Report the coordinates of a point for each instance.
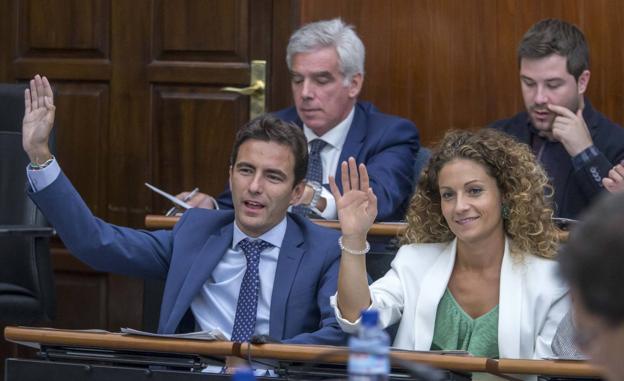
(326, 63)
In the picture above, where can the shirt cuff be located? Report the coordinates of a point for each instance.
(585, 157)
(39, 179)
(346, 325)
(330, 212)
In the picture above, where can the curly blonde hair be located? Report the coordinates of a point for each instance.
(524, 188)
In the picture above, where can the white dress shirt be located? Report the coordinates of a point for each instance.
(215, 305)
(330, 154)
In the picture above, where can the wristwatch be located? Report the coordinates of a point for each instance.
(318, 189)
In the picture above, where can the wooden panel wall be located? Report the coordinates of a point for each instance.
(452, 63)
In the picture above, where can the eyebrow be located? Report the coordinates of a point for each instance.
(524, 77)
(244, 164)
(466, 183)
(268, 170)
(277, 172)
(323, 73)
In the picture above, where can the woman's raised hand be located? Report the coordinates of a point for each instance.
(357, 205)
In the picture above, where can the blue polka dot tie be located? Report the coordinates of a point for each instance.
(247, 306)
(315, 171)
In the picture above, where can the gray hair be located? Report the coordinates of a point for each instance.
(330, 33)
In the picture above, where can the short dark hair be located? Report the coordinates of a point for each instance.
(592, 260)
(556, 36)
(268, 128)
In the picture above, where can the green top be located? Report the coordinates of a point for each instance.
(456, 330)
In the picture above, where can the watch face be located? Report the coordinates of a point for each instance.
(318, 188)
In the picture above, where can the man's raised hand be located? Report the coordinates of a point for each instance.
(38, 119)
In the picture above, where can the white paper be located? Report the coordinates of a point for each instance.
(212, 335)
(169, 197)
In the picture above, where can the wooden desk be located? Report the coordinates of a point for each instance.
(391, 229)
(286, 352)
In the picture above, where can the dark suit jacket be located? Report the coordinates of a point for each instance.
(305, 278)
(574, 189)
(387, 145)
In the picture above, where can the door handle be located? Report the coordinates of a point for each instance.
(256, 90)
(257, 86)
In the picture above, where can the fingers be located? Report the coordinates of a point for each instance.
(39, 94)
(372, 202)
(364, 180)
(615, 182)
(33, 94)
(619, 169)
(40, 90)
(561, 110)
(181, 196)
(344, 177)
(609, 184)
(354, 177)
(617, 174)
(49, 103)
(27, 101)
(334, 188)
(47, 89)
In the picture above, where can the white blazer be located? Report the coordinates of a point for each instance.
(533, 299)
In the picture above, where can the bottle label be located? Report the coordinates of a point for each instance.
(368, 364)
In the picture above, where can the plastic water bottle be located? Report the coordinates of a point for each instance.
(369, 350)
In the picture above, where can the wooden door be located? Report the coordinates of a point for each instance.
(138, 101)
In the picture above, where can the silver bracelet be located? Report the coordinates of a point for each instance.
(365, 250)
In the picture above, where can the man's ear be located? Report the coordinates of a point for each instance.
(297, 192)
(355, 86)
(583, 81)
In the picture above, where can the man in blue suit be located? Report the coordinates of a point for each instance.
(253, 270)
(326, 62)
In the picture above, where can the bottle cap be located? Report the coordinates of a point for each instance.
(370, 318)
(243, 374)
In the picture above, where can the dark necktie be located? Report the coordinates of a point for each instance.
(315, 171)
(247, 306)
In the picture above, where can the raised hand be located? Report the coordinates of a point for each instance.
(570, 129)
(38, 119)
(357, 206)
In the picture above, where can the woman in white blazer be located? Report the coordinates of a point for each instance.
(476, 271)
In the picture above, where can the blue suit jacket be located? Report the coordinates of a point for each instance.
(387, 145)
(574, 189)
(305, 278)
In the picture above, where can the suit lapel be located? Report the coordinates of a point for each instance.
(355, 138)
(431, 291)
(288, 261)
(509, 311)
(199, 271)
